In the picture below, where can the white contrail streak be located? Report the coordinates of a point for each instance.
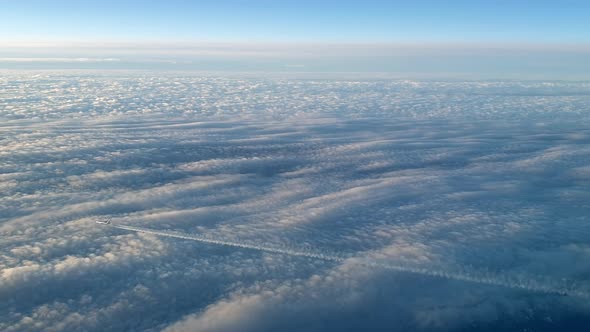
(462, 274)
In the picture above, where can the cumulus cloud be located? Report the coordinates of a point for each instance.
(480, 179)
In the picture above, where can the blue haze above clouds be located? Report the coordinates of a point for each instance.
(518, 39)
(447, 138)
(448, 61)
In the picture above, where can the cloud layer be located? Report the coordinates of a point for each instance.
(418, 60)
(473, 178)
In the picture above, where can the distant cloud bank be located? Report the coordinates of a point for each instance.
(409, 60)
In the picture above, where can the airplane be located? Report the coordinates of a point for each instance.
(104, 221)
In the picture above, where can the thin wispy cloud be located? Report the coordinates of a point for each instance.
(403, 60)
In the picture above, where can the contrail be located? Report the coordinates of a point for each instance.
(463, 274)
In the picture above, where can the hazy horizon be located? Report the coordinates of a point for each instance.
(428, 39)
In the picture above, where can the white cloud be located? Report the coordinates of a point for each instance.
(486, 179)
(50, 59)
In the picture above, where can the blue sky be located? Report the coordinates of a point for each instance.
(303, 20)
(476, 39)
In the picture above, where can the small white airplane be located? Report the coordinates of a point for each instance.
(104, 221)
